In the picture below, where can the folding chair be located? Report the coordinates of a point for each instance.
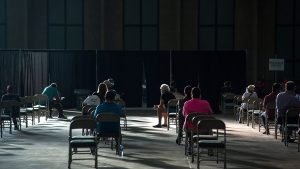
(270, 117)
(188, 131)
(290, 122)
(4, 117)
(237, 104)
(122, 103)
(227, 100)
(256, 111)
(254, 102)
(88, 143)
(203, 135)
(219, 127)
(42, 104)
(172, 113)
(108, 118)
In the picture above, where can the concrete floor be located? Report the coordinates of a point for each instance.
(45, 145)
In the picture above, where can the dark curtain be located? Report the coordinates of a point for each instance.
(10, 70)
(34, 70)
(72, 70)
(157, 72)
(125, 67)
(208, 70)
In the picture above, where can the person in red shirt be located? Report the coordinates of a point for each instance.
(196, 104)
(270, 99)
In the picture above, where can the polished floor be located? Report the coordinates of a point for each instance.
(45, 145)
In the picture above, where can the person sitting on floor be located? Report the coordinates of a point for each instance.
(15, 111)
(187, 93)
(54, 100)
(269, 99)
(161, 109)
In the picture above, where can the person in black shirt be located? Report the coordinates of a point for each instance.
(161, 109)
(15, 111)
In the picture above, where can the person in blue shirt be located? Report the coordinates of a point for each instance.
(109, 106)
(54, 99)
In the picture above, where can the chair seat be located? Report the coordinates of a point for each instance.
(256, 112)
(83, 143)
(5, 117)
(40, 107)
(83, 137)
(292, 126)
(211, 143)
(205, 137)
(172, 114)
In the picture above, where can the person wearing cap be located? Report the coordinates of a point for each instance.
(15, 111)
(250, 92)
(54, 99)
(108, 106)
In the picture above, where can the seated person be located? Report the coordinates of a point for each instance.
(196, 104)
(54, 100)
(15, 111)
(187, 93)
(92, 100)
(250, 92)
(269, 99)
(161, 109)
(109, 106)
(284, 101)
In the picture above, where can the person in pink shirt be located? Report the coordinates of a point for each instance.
(196, 104)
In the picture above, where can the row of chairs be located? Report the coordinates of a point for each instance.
(253, 116)
(28, 108)
(209, 133)
(87, 142)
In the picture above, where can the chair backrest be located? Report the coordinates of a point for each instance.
(85, 109)
(255, 102)
(91, 110)
(108, 117)
(211, 124)
(292, 113)
(82, 122)
(172, 105)
(229, 96)
(190, 116)
(196, 119)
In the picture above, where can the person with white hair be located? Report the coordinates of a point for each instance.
(161, 109)
(250, 92)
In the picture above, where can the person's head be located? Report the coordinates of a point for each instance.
(276, 87)
(164, 88)
(227, 84)
(188, 90)
(9, 88)
(173, 87)
(196, 92)
(102, 88)
(109, 84)
(110, 95)
(53, 85)
(290, 86)
(251, 88)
